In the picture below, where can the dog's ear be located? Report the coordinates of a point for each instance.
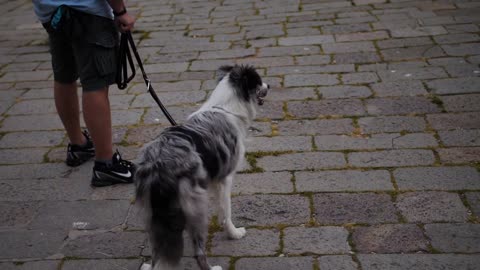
(222, 71)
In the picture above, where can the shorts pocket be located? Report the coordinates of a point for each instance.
(105, 60)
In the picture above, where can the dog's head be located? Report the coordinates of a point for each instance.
(246, 82)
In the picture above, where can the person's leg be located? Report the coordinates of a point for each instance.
(97, 116)
(66, 102)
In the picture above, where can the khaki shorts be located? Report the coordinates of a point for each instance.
(86, 49)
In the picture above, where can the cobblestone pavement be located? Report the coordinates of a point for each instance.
(366, 155)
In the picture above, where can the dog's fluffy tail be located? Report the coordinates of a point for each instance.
(157, 192)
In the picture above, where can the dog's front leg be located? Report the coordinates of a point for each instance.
(232, 231)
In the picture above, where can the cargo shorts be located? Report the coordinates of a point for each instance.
(86, 48)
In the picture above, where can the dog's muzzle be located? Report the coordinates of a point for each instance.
(262, 92)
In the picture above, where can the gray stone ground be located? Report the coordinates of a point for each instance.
(366, 155)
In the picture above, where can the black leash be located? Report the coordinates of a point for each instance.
(124, 55)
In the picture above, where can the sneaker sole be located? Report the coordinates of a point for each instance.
(108, 180)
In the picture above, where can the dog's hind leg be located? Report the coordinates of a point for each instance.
(194, 201)
(232, 231)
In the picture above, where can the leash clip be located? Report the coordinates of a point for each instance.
(149, 84)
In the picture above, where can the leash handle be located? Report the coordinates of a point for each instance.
(126, 41)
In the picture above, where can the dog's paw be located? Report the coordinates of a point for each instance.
(237, 233)
(146, 267)
(216, 267)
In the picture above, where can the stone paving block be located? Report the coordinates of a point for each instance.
(44, 189)
(461, 103)
(291, 50)
(269, 182)
(454, 237)
(454, 121)
(37, 265)
(344, 91)
(310, 80)
(418, 31)
(398, 88)
(348, 47)
(351, 20)
(372, 67)
(184, 85)
(280, 71)
(406, 65)
(180, 47)
(356, 57)
(302, 161)
(338, 181)
(266, 61)
(126, 117)
(227, 54)
(410, 53)
(342, 208)
(38, 244)
(26, 76)
(255, 243)
(31, 123)
(465, 70)
(318, 240)
(437, 178)
(361, 36)
(81, 215)
(412, 74)
(462, 49)
(38, 106)
(271, 110)
(460, 137)
(375, 141)
(346, 28)
(285, 94)
(17, 214)
(308, 109)
(404, 42)
(169, 98)
(313, 60)
(261, 210)
(455, 86)
(337, 262)
(268, 263)
(360, 78)
(390, 238)
(401, 105)
(459, 155)
(461, 28)
(104, 245)
(418, 261)
(21, 156)
(104, 264)
(392, 124)
(429, 207)
(391, 158)
(34, 171)
(306, 40)
(473, 200)
(456, 38)
(168, 67)
(312, 127)
(271, 144)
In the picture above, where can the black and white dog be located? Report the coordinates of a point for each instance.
(183, 162)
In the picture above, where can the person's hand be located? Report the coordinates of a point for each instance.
(125, 22)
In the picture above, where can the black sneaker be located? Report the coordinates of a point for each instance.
(118, 172)
(77, 154)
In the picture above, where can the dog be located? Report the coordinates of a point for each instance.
(177, 169)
